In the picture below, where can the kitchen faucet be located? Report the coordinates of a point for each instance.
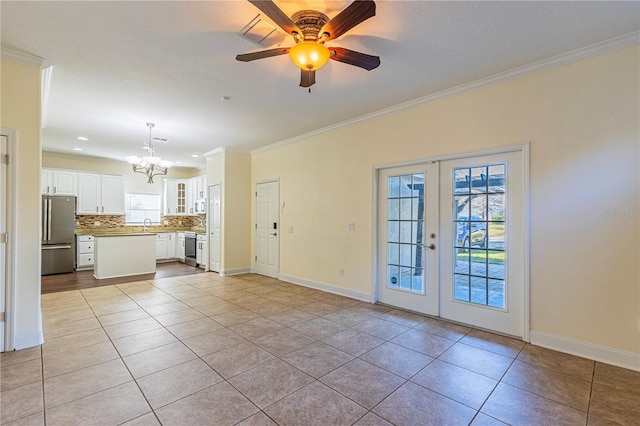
(144, 224)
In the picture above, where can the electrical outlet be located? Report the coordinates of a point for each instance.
(166, 223)
(179, 223)
(342, 272)
(352, 226)
(291, 229)
(96, 223)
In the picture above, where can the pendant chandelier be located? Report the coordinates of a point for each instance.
(150, 165)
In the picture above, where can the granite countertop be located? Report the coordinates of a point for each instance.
(136, 230)
(125, 234)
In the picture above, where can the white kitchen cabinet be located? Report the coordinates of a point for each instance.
(46, 181)
(100, 194)
(59, 182)
(85, 250)
(112, 194)
(180, 246)
(170, 197)
(191, 200)
(161, 246)
(200, 187)
(89, 186)
(171, 245)
(175, 201)
(165, 245)
(180, 195)
(202, 252)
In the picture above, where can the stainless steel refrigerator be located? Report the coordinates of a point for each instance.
(58, 222)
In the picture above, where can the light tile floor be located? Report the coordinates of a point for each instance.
(250, 350)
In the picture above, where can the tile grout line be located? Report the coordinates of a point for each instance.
(186, 346)
(279, 358)
(315, 340)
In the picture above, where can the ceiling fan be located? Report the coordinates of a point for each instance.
(311, 29)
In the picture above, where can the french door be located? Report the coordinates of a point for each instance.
(407, 229)
(465, 250)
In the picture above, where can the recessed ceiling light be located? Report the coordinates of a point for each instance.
(75, 148)
(195, 155)
(225, 98)
(82, 138)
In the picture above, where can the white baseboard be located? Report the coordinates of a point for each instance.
(237, 271)
(592, 351)
(330, 288)
(24, 341)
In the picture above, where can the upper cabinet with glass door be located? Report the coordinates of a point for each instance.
(180, 196)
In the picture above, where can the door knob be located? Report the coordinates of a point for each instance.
(432, 246)
(274, 234)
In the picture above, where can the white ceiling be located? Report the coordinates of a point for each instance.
(118, 65)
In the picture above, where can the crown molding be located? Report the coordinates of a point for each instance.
(214, 152)
(576, 55)
(225, 149)
(23, 58)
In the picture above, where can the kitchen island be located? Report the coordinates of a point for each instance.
(121, 255)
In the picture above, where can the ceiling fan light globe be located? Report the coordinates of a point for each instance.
(165, 164)
(309, 55)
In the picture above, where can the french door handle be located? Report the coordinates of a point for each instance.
(430, 246)
(274, 234)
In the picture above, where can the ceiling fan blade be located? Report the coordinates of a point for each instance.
(351, 57)
(307, 78)
(270, 9)
(247, 57)
(355, 13)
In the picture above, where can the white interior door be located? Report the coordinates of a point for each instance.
(214, 227)
(407, 234)
(267, 228)
(482, 238)
(3, 230)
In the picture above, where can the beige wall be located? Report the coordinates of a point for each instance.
(237, 211)
(582, 121)
(133, 182)
(233, 171)
(20, 112)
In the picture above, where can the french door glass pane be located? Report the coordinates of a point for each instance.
(479, 227)
(405, 224)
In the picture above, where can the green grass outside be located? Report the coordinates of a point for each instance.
(494, 258)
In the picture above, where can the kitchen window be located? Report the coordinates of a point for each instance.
(140, 206)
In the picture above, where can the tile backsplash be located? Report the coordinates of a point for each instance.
(106, 221)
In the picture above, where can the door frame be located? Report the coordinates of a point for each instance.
(10, 249)
(208, 227)
(254, 263)
(522, 147)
